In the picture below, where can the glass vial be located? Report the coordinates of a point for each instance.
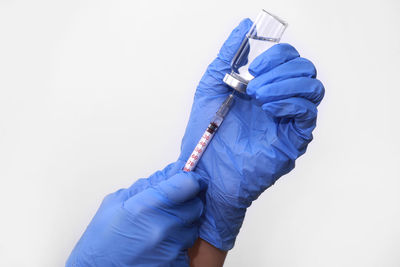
(266, 31)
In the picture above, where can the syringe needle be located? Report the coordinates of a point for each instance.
(209, 133)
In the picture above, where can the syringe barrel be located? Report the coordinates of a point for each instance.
(200, 147)
(208, 134)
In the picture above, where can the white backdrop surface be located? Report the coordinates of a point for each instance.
(96, 94)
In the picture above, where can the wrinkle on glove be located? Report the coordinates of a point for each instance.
(264, 133)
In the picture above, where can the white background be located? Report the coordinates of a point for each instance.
(95, 94)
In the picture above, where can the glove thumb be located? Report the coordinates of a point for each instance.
(181, 187)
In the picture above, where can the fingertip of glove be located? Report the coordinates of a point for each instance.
(199, 179)
(232, 44)
(247, 23)
(251, 90)
(288, 49)
(180, 187)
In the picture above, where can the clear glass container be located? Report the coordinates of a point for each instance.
(266, 31)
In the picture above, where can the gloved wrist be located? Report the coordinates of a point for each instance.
(222, 219)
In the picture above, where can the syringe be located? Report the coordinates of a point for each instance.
(209, 133)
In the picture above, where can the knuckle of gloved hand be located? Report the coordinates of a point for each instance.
(273, 57)
(302, 144)
(108, 198)
(114, 196)
(319, 91)
(306, 67)
(284, 52)
(310, 116)
(302, 137)
(287, 49)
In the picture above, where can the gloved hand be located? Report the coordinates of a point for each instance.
(260, 138)
(154, 227)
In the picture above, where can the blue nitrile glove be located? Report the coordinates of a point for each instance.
(154, 227)
(261, 137)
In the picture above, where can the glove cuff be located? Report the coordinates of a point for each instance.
(221, 222)
(208, 233)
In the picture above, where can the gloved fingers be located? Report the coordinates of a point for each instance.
(308, 88)
(175, 196)
(154, 179)
(181, 187)
(298, 67)
(180, 193)
(232, 44)
(139, 186)
(273, 57)
(302, 111)
(188, 212)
